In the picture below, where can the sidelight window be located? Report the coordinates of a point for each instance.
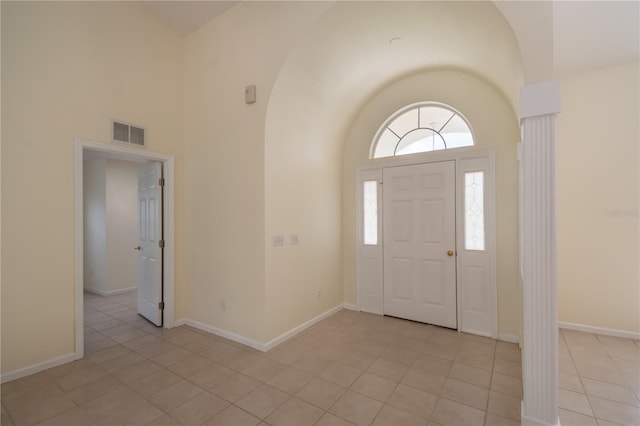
(370, 209)
(474, 211)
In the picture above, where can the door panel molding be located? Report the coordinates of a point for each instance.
(150, 194)
(427, 279)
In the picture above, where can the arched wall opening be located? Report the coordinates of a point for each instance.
(352, 52)
(495, 128)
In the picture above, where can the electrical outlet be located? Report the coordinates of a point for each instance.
(295, 239)
(223, 305)
(319, 294)
(278, 240)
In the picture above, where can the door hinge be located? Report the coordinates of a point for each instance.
(161, 305)
(161, 182)
(161, 243)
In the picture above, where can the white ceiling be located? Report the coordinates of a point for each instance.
(587, 34)
(186, 16)
(595, 34)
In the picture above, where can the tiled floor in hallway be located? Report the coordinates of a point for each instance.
(352, 368)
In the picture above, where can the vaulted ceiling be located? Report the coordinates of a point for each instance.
(586, 35)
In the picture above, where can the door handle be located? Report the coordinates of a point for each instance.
(450, 253)
(137, 248)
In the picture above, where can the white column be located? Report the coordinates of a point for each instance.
(539, 105)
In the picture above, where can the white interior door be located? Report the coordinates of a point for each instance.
(150, 242)
(419, 243)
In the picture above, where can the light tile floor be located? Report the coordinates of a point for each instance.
(599, 379)
(352, 368)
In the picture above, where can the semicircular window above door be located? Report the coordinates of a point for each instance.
(421, 127)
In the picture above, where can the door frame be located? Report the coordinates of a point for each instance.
(373, 171)
(168, 266)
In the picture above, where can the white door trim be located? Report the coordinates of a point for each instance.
(373, 171)
(168, 162)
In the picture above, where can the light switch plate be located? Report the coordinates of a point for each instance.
(278, 240)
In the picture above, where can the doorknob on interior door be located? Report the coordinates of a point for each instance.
(450, 253)
(137, 248)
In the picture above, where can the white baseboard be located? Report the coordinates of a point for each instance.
(509, 338)
(299, 329)
(350, 307)
(599, 330)
(222, 333)
(475, 332)
(263, 347)
(112, 292)
(36, 368)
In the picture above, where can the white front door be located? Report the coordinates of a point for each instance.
(150, 242)
(419, 243)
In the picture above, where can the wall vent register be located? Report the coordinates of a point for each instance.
(128, 133)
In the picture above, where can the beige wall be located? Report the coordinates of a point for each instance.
(122, 225)
(226, 159)
(495, 127)
(95, 225)
(68, 68)
(598, 199)
(110, 225)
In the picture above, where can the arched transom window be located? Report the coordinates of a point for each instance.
(423, 127)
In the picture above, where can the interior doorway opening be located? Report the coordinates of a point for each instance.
(92, 149)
